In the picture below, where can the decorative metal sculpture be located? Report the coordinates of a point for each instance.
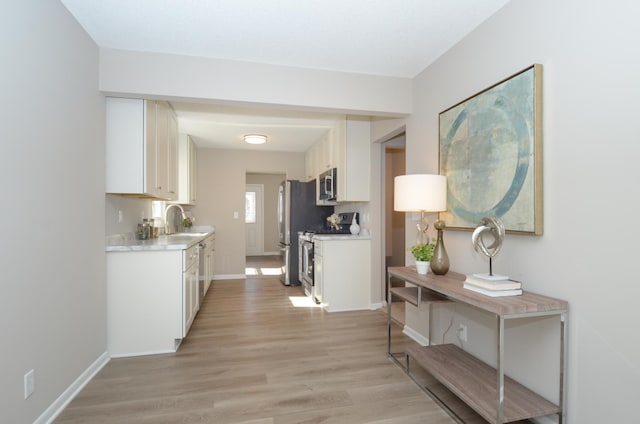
(495, 228)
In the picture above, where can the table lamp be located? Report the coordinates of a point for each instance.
(424, 193)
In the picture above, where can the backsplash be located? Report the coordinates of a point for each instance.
(122, 214)
(363, 212)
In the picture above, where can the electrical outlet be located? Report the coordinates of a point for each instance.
(120, 217)
(29, 383)
(462, 332)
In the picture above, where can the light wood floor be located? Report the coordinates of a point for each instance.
(253, 358)
(267, 266)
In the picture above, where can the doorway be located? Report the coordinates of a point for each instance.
(262, 237)
(394, 164)
(254, 219)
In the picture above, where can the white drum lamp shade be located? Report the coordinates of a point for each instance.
(420, 193)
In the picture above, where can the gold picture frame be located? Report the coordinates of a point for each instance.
(491, 153)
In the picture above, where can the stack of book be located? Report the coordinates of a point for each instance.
(493, 285)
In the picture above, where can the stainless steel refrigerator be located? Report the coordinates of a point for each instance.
(297, 211)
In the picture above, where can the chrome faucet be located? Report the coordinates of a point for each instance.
(166, 221)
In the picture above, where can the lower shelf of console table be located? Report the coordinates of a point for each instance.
(474, 382)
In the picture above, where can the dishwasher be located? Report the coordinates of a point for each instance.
(201, 270)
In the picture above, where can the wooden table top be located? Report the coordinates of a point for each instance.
(451, 286)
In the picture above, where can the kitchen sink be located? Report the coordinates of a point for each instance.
(181, 237)
(185, 235)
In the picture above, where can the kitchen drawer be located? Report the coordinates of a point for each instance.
(190, 257)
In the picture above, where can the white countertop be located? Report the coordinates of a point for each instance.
(178, 241)
(322, 237)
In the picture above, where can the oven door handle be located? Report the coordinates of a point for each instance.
(305, 259)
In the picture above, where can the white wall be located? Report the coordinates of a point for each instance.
(220, 193)
(52, 306)
(185, 77)
(590, 168)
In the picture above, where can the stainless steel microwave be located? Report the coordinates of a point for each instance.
(328, 185)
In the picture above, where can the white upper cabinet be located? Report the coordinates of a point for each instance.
(172, 152)
(310, 168)
(352, 155)
(187, 170)
(141, 148)
(346, 147)
(318, 158)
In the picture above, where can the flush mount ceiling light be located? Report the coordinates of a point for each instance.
(255, 139)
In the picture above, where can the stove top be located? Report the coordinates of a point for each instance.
(328, 231)
(345, 223)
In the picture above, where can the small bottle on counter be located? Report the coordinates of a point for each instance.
(146, 229)
(140, 233)
(158, 227)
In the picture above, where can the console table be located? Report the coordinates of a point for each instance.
(496, 397)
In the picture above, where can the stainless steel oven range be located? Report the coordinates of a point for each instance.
(306, 258)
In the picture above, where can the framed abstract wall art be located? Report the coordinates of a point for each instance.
(491, 153)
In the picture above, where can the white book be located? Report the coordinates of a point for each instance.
(493, 293)
(493, 285)
(491, 277)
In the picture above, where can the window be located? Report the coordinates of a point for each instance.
(250, 207)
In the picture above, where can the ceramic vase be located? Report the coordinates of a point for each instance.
(422, 267)
(440, 259)
(354, 228)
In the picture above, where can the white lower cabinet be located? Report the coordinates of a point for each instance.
(151, 300)
(342, 273)
(209, 262)
(190, 292)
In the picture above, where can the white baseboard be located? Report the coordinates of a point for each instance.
(545, 420)
(417, 337)
(230, 277)
(72, 391)
(376, 306)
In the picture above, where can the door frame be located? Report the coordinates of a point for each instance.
(259, 189)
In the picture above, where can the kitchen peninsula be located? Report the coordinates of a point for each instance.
(152, 291)
(342, 272)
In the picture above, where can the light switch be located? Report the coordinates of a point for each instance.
(236, 215)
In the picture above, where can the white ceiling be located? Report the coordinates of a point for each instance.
(223, 127)
(381, 37)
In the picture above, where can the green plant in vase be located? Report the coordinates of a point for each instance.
(422, 252)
